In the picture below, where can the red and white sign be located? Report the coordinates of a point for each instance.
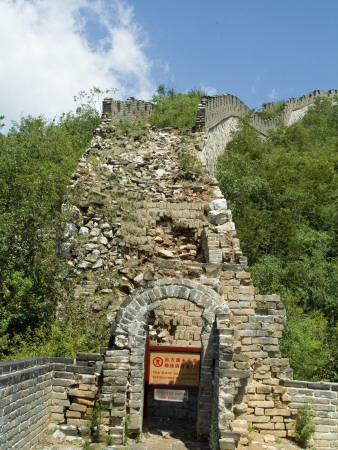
(170, 395)
(172, 368)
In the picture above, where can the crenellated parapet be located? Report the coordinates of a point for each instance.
(218, 116)
(131, 110)
(215, 109)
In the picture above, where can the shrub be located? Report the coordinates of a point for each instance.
(37, 157)
(213, 437)
(305, 426)
(95, 421)
(272, 113)
(175, 109)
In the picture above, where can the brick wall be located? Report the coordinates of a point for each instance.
(176, 322)
(324, 398)
(27, 399)
(131, 110)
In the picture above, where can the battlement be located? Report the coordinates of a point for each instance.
(217, 108)
(131, 110)
(218, 116)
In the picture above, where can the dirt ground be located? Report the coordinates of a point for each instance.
(161, 434)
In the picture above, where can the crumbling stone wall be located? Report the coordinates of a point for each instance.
(151, 246)
(176, 322)
(131, 110)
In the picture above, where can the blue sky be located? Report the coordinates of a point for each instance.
(258, 50)
(254, 49)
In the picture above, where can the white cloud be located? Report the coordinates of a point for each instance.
(49, 53)
(273, 95)
(209, 90)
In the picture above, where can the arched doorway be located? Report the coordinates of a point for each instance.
(131, 329)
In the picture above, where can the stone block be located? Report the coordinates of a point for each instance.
(324, 444)
(82, 394)
(57, 417)
(60, 395)
(263, 389)
(117, 439)
(58, 402)
(326, 394)
(116, 353)
(57, 409)
(78, 407)
(77, 422)
(117, 360)
(116, 366)
(257, 419)
(227, 444)
(325, 436)
(69, 430)
(73, 414)
(280, 433)
(84, 401)
(263, 426)
(261, 403)
(277, 419)
(277, 412)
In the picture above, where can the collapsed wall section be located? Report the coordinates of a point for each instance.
(142, 232)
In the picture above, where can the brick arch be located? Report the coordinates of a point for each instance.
(130, 326)
(130, 330)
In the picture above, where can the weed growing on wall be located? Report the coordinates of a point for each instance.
(305, 426)
(213, 437)
(190, 163)
(95, 421)
(137, 131)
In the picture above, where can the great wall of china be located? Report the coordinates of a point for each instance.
(161, 242)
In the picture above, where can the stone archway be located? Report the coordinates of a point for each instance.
(130, 330)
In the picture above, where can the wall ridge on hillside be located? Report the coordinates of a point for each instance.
(218, 117)
(213, 109)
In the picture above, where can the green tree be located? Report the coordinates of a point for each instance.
(37, 157)
(283, 192)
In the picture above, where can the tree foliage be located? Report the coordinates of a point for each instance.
(271, 113)
(37, 157)
(283, 193)
(174, 109)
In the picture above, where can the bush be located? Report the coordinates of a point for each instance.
(272, 113)
(175, 109)
(305, 426)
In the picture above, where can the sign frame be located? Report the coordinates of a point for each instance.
(166, 349)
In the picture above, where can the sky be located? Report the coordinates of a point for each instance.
(258, 50)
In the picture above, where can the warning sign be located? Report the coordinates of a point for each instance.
(174, 368)
(170, 395)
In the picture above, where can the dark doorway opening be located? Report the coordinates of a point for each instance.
(172, 382)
